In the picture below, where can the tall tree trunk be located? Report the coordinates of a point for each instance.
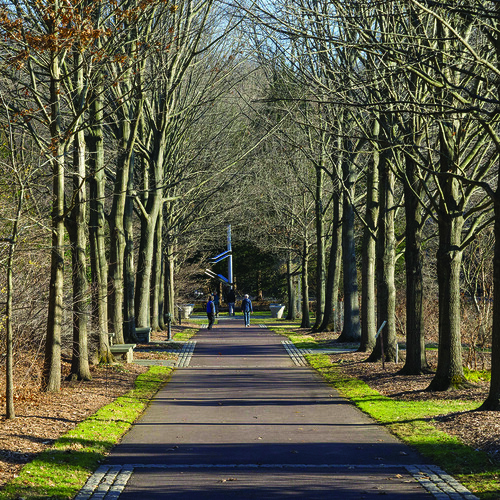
(306, 320)
(449, 372)
(386, 290)
(10, 411)
(368, 275)
(320, 247)
(117, 248)
(128, 270)
(416, 361)
(97, 225)
(492, 402)
(169, 287)
(51, 377)
(352, 327)
(145, 264)
(76, 225)
(156, 313)
(118, 241)
(292, 299)
(334, 267)
(149, 219)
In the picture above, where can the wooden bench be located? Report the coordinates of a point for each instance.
(143, 334)
(125, 350)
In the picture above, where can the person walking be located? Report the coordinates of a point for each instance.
(216, 304)
(231, 298)
(246, 307)
(210, 312)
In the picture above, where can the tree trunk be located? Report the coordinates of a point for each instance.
(169, 287)
(118, 241)
(51, 377)
(117, 249)
(149, 218)
(449, 373)
(77, 230)
(292, 299)
(10, 411)
(386, 290)
(334, 267)
(492, 402)
(76, 226)
(156, 312)
(368, 275)
(99, 264)
(320, 248)
(306, 320)
(416, 361)
(128, 270)
(352, 327)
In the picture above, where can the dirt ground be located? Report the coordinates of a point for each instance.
(42, 418)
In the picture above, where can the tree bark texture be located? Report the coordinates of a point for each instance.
(368, 275)
(51, 377)
(492, 402)
(306, 320)
(77, 225)
(97, 228)
(449, 373)
(386, 290)
(352, 326)
(416, 361)
(320, 249)
(334, 267)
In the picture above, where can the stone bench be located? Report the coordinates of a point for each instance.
(143, 334)
(125, 350)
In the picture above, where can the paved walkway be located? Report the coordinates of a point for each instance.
(243, 421)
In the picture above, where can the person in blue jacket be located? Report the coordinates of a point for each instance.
(210, 312)
(246, 307)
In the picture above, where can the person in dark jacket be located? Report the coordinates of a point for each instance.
(210, 312)
(231, 298)
(246, 307)
(216, 304)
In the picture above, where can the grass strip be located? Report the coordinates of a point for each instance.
(185, 335)
(61, 471)
(411, 421)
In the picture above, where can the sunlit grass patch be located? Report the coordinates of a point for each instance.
(185, 334)
(60, 472)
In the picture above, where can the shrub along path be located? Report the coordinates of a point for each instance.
(244, 421)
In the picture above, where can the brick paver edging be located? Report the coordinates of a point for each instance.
(108, 482)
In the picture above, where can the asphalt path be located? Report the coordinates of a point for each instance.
(243, 421)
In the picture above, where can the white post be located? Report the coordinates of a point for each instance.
(230, 260)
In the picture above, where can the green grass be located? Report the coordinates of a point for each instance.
(61, 471)
(477, 376)
(412, 423)
(185, 335)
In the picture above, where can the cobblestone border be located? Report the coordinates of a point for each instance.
(294, 353)
(108, 482)
(186, 354)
